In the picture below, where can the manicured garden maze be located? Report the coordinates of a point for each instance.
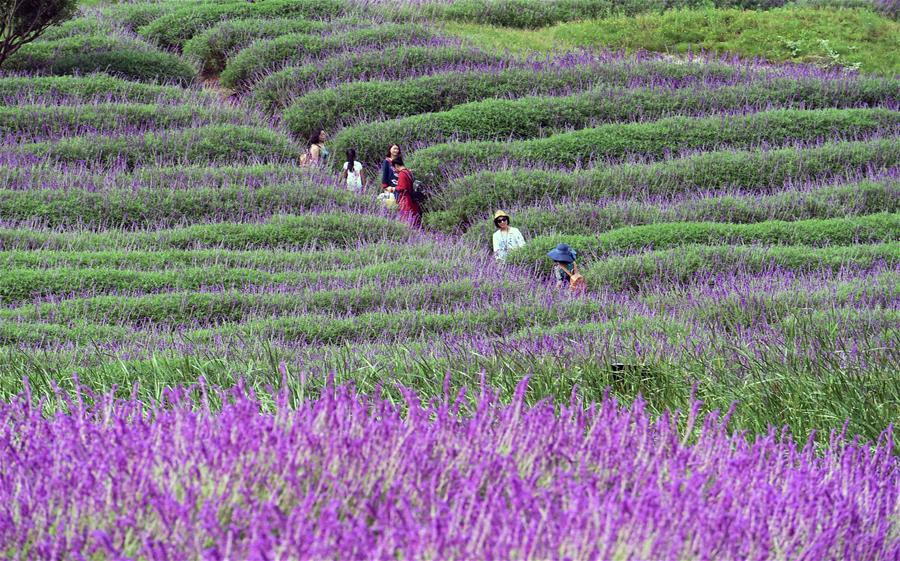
(737, 224)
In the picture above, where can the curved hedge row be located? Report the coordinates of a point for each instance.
(325, 328)
(136, 14)
(211, 48)
(380, 99)
(22, 285)
(53, 120)
(110, 54)
(473, 195)
(15, 90)
(654, 139)
(214, 143)
(42, 175)
(308, 230)
(874, 228)
(527, 14)
(278, 88)
(139, 208)
(339, 259)
(255, 60)
(76, 27)
(210, 308)
(686, 264)
(177, 26)
(532, 117)
(586, 218)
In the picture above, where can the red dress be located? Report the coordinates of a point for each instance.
(408, 207)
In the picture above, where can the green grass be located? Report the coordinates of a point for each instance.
(770, 394)
(822, 36)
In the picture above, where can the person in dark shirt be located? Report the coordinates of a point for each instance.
(388, 175)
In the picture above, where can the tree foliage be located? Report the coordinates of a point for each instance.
(23, 21)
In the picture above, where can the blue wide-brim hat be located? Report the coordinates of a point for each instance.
(563, 253)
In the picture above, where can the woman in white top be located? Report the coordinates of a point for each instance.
(353, 173)
(506, 238)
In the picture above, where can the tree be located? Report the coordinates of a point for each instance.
(23, 21)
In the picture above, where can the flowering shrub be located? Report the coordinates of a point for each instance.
(358, 476)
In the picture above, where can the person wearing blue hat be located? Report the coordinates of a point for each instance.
(566, 271)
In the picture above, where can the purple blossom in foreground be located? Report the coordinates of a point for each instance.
(354, 477)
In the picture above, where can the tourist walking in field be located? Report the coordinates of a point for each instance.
(506, 238)
(408, 207)
(566, 271)
(316, 152)
(388, 175)
(353, 173)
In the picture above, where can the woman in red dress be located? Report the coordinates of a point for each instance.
(409, 208)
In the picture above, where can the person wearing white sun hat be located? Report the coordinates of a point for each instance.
(506, 238)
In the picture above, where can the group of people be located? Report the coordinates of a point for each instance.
(396, 179)
(397, 188)
(506, 238)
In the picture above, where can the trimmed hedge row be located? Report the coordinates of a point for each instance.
(584, 219)
(23, 285)
(874, 228)
(136, 14)
(214, 143)
(473, 195)
(255, 60)
(326, 328)
(118, 56)
(381, 99)
(53, 120)
(178, 26)
(44, 175)
(378, 253)
(15, 89)
(212, 47)
(78, 26)
(655, 139)
(308, 230)
(688, 264)
(527, 14)
(533, 117)
(210, 308)
(144, 207)
(278, 88)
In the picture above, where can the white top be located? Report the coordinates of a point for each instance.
(354, 177)
(506, 241)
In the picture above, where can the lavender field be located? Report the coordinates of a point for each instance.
(208, 351)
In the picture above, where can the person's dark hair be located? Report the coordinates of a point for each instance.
(351, 159)
(398, 160)
(399, 151)
(315, 137)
